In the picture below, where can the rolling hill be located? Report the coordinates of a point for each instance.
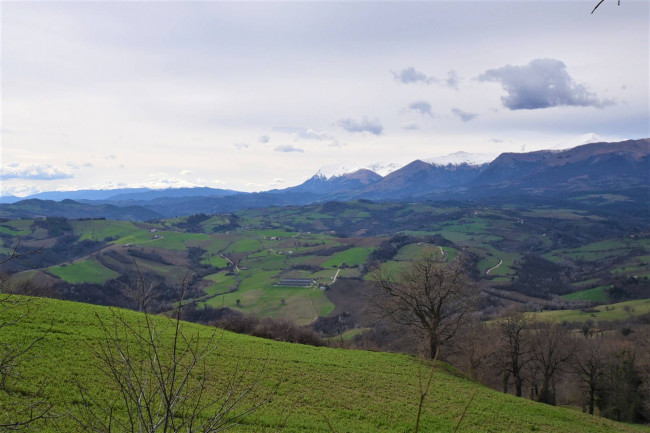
(318, 389)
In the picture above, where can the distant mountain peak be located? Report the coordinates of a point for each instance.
(458, 158)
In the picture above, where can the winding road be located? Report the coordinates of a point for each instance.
(493, 268)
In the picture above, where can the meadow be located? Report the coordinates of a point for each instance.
(353, 391)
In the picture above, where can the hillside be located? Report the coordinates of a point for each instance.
(357, 391)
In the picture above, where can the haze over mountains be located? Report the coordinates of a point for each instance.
(591, 167)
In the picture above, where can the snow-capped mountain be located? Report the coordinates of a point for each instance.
(336, 170)
(578, 141)
(459, 158)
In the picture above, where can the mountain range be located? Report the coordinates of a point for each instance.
(595, 167)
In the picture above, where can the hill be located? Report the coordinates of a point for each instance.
(357, 391)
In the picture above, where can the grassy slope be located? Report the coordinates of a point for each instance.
(86, 271)
(620, 311)
(358, 391)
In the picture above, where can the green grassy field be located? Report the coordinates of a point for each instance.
(351, 257)
(597, 294)
(620, 311)
(98, 230)
(87, 271)
(357, 391)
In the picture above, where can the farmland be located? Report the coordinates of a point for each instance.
(236, 261)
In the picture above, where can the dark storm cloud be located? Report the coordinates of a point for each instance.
(542, 83)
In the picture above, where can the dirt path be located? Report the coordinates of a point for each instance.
(493, 268)
(336, 275)
(229, 261)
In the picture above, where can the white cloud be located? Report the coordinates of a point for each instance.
(411, 75)
(372, 126)
(287, 148)
(34, 172)
(464, 115)
(422, 107)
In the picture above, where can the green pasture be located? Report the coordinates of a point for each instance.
(98, 230)
(216, 261)
(352, 256)
(352, 391)
(166, 239)
(596, 294)
(620, 311)
(87, 271)
(15, 231)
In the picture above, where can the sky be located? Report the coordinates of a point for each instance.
(259, 95)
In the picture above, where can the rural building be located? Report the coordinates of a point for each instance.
(296, 282)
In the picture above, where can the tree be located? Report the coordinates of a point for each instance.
(515, 348)
(22, 406)
(160, 380)
(589, 365)
(430, 297)
(551, 350)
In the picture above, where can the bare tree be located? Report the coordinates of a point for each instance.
(430, 297)
(473, 348)
(22, 407)
(589, 365)
(161, 381)
(551, 350)
(140, 288)
(515, 350)
(599, 3)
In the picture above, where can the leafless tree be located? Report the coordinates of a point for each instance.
(599, 3)
(589, 365)
(140, 288)
(161, 381)
(22, 407)
(551, 351)
(473, 348)
(515, 348)
(430, 297)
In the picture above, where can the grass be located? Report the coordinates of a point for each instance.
(98, 230)
(620, 311)
(352, 257)
(87, 271)
(358, 391)
(597, 294)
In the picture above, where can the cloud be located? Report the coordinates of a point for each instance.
(241, 146)
(542, 83)
(452, 80)
(312, 134)
(365, 125)
(422, 107)
(496, 140)
(264, 139)
(411, 75)
(186, 173)
(287, 148)
(410, 126)
(464, 115)
(34, 172)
